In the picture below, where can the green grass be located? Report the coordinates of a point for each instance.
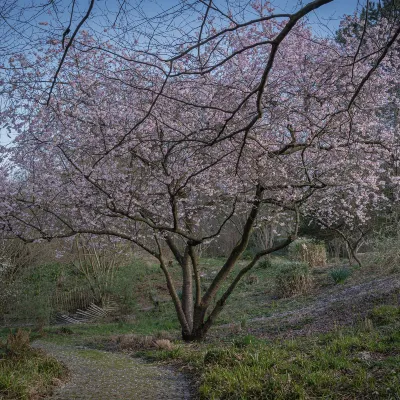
(137, 284)
(249, 301)
(350, 364)
(384, 314)
(340, 275)
(359, 363)
(148, 323)
(252, 299)
(27, 374)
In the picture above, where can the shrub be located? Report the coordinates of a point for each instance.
(339, 275)
(251, 280)
(293, 279)
(308, 251)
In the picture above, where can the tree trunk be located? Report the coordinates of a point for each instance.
(187, 289)
(199, 327)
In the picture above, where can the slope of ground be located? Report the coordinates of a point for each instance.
(336, 307)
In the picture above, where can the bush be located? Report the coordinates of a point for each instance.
(308, 251)
(292, 279)
(340, 275)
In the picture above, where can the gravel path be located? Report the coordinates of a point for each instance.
(101, 375)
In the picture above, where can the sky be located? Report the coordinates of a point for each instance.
(324, 20)
(331, 14)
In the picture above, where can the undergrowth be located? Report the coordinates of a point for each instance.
(26, 373)
(352, 364)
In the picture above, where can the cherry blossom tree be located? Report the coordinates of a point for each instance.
(259, 122)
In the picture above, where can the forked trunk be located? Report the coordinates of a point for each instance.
(200, 328)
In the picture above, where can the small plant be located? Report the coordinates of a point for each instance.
(3, 349)
(293, 279)
(248, 254)
(64, 330)
(252, 280)
(340, 275)
(367, 325)
(134, 342)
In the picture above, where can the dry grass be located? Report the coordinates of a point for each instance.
(293, 279)
(164, 344)
(312, 253)
(133, 342)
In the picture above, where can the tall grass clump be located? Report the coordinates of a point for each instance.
(292, 279)
(340, 275)
(26, 373)
(385, 254)
(308, 251)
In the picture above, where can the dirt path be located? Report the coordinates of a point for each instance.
(101, 375)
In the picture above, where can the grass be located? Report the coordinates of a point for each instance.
(148, 323)
(253, 298)
(249, 301)
(340, 275)
(292, 279)
(138, 284)
(27, 373)
(353, 364)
